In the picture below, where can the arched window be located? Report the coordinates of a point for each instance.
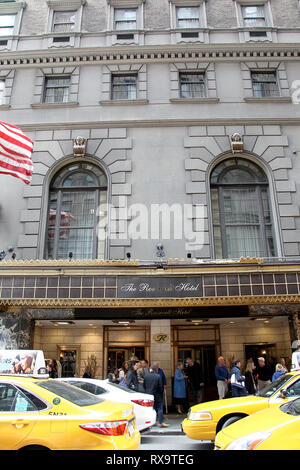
(242, 217)
(76, 192)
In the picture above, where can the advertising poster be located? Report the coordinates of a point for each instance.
(21, 361)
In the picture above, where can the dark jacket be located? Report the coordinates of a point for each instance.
(132, 380)
(194, 375)
(250, 383)
(264, 373)
(153, 384)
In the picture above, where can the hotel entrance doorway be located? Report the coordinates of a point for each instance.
(205, 355)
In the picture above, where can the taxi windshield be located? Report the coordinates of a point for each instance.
(69, 392)
(291, 408)
(274, 386)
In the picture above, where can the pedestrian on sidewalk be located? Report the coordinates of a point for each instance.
(153, 385)
(280, 370)
(222, 376)
(131, 376)
(160, 372)
(250, 383)
(237, 380)
(179, 392)
(122, 373)
(264, 374)
(194, 373)
(282, 361)
(140, 375)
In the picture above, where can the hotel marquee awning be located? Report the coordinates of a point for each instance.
(88, 284)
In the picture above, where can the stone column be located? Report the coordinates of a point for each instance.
(294, 326)
(16, 330)
(161, 351)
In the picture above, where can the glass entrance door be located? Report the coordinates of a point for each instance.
(68, 363)
(117, 356)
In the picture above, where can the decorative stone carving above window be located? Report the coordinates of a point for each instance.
(79, 146)
(11, 7)
(237, 144)
(125, 3)
(65, 5)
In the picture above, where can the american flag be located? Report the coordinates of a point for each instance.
(15, 152)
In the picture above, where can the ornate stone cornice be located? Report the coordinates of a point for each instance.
(145, 54)
(142, 303)
(125, 3)
(11, 7)
(64, 5)
(67, 263)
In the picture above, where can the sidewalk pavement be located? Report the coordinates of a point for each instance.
(174, 421)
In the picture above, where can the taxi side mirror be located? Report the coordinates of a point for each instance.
(283, 393)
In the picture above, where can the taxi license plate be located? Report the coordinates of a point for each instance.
(131, 427)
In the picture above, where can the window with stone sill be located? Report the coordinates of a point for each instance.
(124, 87)
(188, 17)
(57, 89)
(2, 91)
(254, 16)
(192, 85)
(125, 19)
(265, 84)
(64, 21)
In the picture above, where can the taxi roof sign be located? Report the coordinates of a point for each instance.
(23, 362)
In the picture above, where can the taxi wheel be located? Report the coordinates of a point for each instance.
(231, 420)
(34, 448)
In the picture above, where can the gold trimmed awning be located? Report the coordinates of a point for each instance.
(111, 284)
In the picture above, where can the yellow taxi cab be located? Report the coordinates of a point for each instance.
(205, 420)
(276, 428)
(42, 413)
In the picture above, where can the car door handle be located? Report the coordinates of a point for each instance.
(20, 423)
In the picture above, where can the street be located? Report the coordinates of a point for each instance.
(171, 438)
(171, 442)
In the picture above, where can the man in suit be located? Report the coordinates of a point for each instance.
(153, 385)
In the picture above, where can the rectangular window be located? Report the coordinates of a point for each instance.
(7, 24)
(264, 84)
(57, 89)
(188, 17)
(192, 85)
(124, 87)
(2, 90)
(254, 16)
(125, 19)
(63, 21)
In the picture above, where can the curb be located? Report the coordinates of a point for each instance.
(163, 433)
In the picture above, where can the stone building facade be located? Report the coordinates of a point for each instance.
(156, 89)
